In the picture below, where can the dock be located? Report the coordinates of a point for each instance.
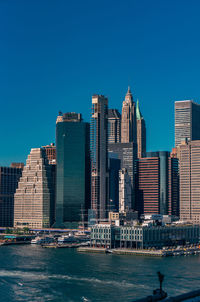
(141, 252)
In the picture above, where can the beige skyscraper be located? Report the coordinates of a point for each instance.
(189, 169)
(33, 198)
(128, 119)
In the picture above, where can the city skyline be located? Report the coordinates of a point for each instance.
(60, 61)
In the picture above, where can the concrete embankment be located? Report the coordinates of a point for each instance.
(142, 252)
(121, 251)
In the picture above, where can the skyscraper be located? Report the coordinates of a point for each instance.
(73, 170)
(99, 156)
(33, 200)
(9, 178)
(127, 153)
(114, 167)
(189, 167)
(141, 133)
(114, 126)
(187, 116)
(157, 184)
(128, 119)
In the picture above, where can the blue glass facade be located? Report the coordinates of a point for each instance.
(73, 173)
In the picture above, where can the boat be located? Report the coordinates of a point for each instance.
(67, 239)
(42, 240)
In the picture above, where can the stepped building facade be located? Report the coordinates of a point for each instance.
(33, 200)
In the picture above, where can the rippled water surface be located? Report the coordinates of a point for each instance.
(33, 273)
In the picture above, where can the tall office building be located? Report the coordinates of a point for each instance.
(9, 178)
(128, 119)
(114, 126)
(73, 170)
(187, 116)
(33, 200)
(189, 166)
(127, 153)
(157, 184)
(125, 191)
(141, 133)
(99, 156)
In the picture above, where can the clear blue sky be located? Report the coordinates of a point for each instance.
(55, 54)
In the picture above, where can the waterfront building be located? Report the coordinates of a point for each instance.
(127, 153)
(143, 237)
(113, 167)
(190, 181)
(33, 200)
(125, 191)
(128, 119)
(187, 116)
(50, 153)
(157, 186)
(73, 170)
(9, 178)
(114, 126)
(141, 133)
(99, 157)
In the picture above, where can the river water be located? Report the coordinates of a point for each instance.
(32, 273)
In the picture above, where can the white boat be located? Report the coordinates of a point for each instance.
(41, 240)
(66, 239)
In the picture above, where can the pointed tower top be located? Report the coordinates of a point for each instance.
(129, 90)
(138, 113)
(129, 96)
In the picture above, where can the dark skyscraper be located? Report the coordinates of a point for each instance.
(9, 178)
(141, 133)
(114, 167)
(187, 117)
(73, 170)
(114, 126)
(157, 184)
(99, 156)
(127, 153)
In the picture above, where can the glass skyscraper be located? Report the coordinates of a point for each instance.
(73, 170)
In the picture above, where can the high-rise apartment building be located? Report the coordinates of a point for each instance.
(128, 119)
(50, 153)
(33, 200)
(125, 191)
(99, 156)
(114, 126)
(73, 170)
(157, 190)
(189, 166)
(141, 133)
(9, 178)
(187, 116)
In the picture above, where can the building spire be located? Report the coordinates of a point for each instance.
(138, 113)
